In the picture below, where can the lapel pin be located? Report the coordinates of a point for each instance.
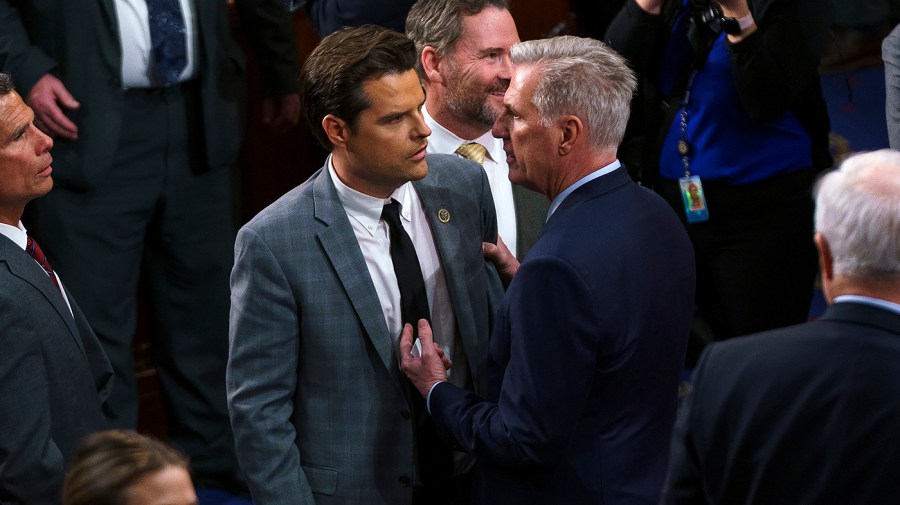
(444, 216)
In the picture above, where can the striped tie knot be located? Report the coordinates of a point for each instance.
(34, 250)
(473, 151)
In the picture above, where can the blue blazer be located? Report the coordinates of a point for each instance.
(799, 415)
(585, 357)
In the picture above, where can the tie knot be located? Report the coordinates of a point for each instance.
(473, 151)
(34, 250)
(391, 213)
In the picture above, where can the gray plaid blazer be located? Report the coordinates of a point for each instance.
(319, 407)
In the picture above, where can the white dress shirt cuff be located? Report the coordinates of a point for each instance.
(428, 398)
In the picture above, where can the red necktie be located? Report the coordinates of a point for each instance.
(34, 250)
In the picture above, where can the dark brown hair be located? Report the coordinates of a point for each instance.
(332, 78)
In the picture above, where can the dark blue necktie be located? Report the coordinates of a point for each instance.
(168, 35)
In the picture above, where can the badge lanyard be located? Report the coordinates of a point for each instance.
(691, 188)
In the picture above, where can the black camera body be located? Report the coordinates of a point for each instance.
(712, 17)
(706, 24)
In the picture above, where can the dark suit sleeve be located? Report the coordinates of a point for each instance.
(634, 34)
(31, 465)
(684, 483)
(779, 61)
(20, 58)
(270, 30)
(553, 354)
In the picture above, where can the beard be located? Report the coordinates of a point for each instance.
(471, 104)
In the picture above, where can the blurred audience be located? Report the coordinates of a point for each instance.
(858, 27)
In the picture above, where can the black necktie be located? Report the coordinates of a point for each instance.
(434, 459)
(168, 36)
(413, 300)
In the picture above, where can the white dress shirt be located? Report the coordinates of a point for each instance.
(19, 236)
(443, 140)
(374, 240)
(134, 36)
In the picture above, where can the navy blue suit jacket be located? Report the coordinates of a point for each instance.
(808, 414)
(585, 357)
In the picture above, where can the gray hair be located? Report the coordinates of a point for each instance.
(6, 84)
(582, 77)
(858, 213)
(438, 23)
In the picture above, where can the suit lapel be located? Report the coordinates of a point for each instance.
(436, 200)
(342, 249)
(110, 47)
(24, 267)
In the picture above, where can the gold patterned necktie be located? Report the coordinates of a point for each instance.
(473, 151)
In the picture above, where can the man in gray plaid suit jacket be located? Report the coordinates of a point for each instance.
(320, 410)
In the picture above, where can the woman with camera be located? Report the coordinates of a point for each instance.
(730, 111)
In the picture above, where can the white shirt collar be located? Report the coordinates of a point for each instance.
(18, 234)
(581, 182)
(443, 140)
(365, 208)
(868, 300)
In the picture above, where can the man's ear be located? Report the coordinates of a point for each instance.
(826, 266)
(826, 260)
(431, 65)
(336, 129)
(571, 130)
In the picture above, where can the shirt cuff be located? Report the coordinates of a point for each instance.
(428, 398)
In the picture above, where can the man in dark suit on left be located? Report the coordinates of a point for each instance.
(141, 98)
(54, 376)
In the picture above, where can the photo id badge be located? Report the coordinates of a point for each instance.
(694, 201)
